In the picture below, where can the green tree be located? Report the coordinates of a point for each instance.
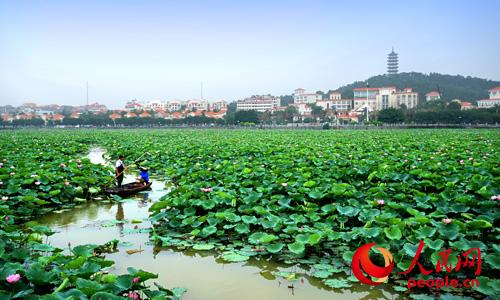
(246, 116)
(286, 100)
(290, 112)
(317, 111)
(391, 115)
(454, 105)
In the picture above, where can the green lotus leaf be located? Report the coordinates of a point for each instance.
(348, 210)
(313, 239)
(434, 244)
(234, 257)
(322, 274)
(393, 233)
(274, 248)
(242, 228)
(209, 230)
(478, 224)
(448, 231)
(203, 246)
(296, 248)
(337, 283)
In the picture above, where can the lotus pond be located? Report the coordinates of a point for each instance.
(295, 205)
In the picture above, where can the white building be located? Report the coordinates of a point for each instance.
(303, 109)
(196, 104)
(218, 105)
(487, 103)
(433, 95)
(258, 103)
(154, 105)
(365, 98)
(495, 93)
(133, 105)
(493, 101)
(335, 96)
(300, 96)
(375, 99)
(173, 105)
(335, 105)
(406, 97)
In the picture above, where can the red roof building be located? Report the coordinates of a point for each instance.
(177, 115)
(115, 116)
(464, 105)
(144, 114)
(433, 95)
(495, 93)
(57, 117)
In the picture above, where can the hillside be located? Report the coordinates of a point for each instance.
(451, 86)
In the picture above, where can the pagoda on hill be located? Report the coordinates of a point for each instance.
(392, 63)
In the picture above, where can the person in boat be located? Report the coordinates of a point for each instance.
(143, 175)
(119, 169)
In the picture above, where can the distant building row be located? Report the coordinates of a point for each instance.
(365, 99)
(177, 105)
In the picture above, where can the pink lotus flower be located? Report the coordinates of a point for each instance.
(66, 183)
(461, 161)
(284, 184)
(37, 182)
(133, 295)
(495, 197)
(1, 182)
(5, 198)
(63, 165)
(6, 218)
(13, 278)
(136, 280)
(206, 190)
(1, 165)
(447, 221)
(380, 202)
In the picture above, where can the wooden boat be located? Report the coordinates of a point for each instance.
(128, 189)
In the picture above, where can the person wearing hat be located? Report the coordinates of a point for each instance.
(119, 170)
(144, 175)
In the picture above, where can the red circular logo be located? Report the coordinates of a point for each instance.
(361, 263)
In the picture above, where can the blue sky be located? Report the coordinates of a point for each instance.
(164, 49)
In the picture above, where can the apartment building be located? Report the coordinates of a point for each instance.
(300, 96)
(258, 103)
(492, 101)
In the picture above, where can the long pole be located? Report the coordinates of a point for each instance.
(87, 95)
(367, 104)
(127, 167)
